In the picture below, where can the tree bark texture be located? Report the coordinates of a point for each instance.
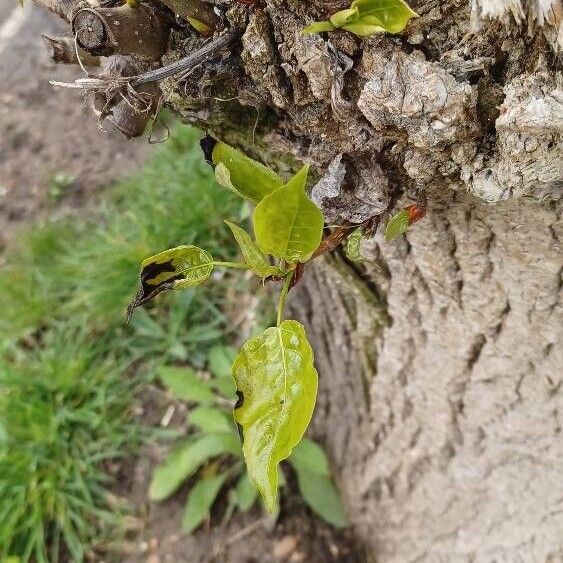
(441, 384)
(440, 357)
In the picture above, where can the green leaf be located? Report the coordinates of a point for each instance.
(392, 15)
(343, 17)
(253, 256)
(363, 29)
(353, 243)
(225, 386)
(246, 177)
(246, 493)
(367, 17)
(221, 359)
(310, 456)
(184, 384)
(397, 225)
(177, 268)
(200, 26)
(287, 223)
(277, 388)
(318, 27)
(186, 460)
(319, 492)
(200, 500)
(210, 420)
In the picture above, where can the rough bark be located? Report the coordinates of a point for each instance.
(443, 413)
(441, 386)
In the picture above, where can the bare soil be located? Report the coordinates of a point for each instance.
(296, 536)
(51, 150)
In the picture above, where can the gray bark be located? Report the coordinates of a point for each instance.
(440, 357)
(443, 411)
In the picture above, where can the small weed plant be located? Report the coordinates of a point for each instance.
(212, 451)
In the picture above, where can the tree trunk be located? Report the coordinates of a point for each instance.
(441, 384)
(440, 390)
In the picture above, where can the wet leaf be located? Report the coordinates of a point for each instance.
(253, 256)
(177, 268)
(200, 500)
(243, 175)
(277, 388)
(343, 17)
(287, 223)
(210, 420)
(186, 460)
(185, 384)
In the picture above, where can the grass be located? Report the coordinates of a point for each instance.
(70, 368)
(86, 267)
(65, 410)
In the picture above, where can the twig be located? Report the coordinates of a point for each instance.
(240, 535)
(246, 531)
(183, 65)
(187, 63)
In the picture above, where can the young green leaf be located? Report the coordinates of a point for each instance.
(254, 258)
(401, 221)
(277, 388)
(367, 17)
(319, 27)
(200, 500)
(392, 15)
(210, 420)
(184, 384)
(343, 17)
(364, 29)
(200, 26)
(319, 492)
(177, 268)
(353, 243)
(397, 225)
(239, 173)
(186, 460)
(245, 493)
(310, 456)
(287, 223)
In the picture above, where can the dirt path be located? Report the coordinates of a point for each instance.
(50, 145)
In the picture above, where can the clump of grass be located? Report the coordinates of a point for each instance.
(65, 410)
(88, 267)
(67, 390)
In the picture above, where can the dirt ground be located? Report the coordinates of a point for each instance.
(296, 537)
(53, 160)
(51, 150)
